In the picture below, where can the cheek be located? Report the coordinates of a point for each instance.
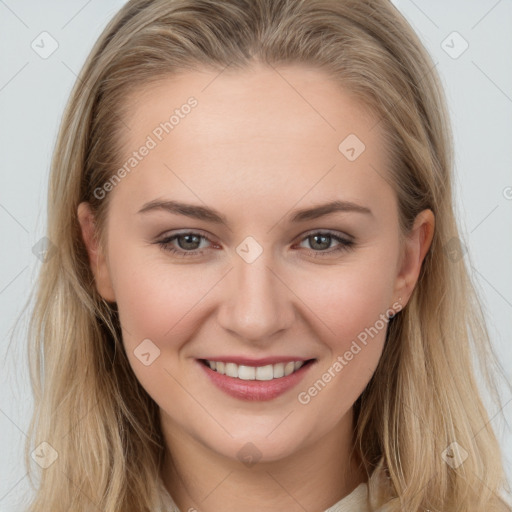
(351, 297)
(155, 300)
(354, 352)
(351, 308)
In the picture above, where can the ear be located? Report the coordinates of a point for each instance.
(97, 259)
(415, 247)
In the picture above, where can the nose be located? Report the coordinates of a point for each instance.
(256, 304)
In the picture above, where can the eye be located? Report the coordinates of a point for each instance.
(321, 242)
(188, 244)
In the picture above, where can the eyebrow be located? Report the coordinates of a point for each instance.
(211, 215)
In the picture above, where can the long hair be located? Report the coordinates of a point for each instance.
(424, 395)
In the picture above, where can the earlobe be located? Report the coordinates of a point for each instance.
(415, 248)
(97, 260)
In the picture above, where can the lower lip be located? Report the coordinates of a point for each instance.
(255, 390)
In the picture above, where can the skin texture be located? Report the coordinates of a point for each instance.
(260, 144)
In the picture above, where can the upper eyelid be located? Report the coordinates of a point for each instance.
(167, 234)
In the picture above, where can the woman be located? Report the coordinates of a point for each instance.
(256, 302)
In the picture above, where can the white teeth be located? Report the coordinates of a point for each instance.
(264, 372)
(246, 372)
(278, 370)
(289, 368)
(231, 370)
(267, 372)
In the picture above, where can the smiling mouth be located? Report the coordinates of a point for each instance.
(261, 373)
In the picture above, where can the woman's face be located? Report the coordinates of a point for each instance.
(264, 274)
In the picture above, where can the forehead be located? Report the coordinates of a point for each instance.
(253, 131)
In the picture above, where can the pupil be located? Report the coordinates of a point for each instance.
(190, 241)
(324, 245)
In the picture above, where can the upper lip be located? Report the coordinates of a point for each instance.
(249, 361)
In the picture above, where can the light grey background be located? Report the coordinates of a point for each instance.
(33, 92)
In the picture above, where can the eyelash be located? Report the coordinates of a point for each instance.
(344, 244)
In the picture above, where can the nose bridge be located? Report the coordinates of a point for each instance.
(256, 304)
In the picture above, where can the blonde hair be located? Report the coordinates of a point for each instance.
(423, 396)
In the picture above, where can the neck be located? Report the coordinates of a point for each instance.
(315, 477)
